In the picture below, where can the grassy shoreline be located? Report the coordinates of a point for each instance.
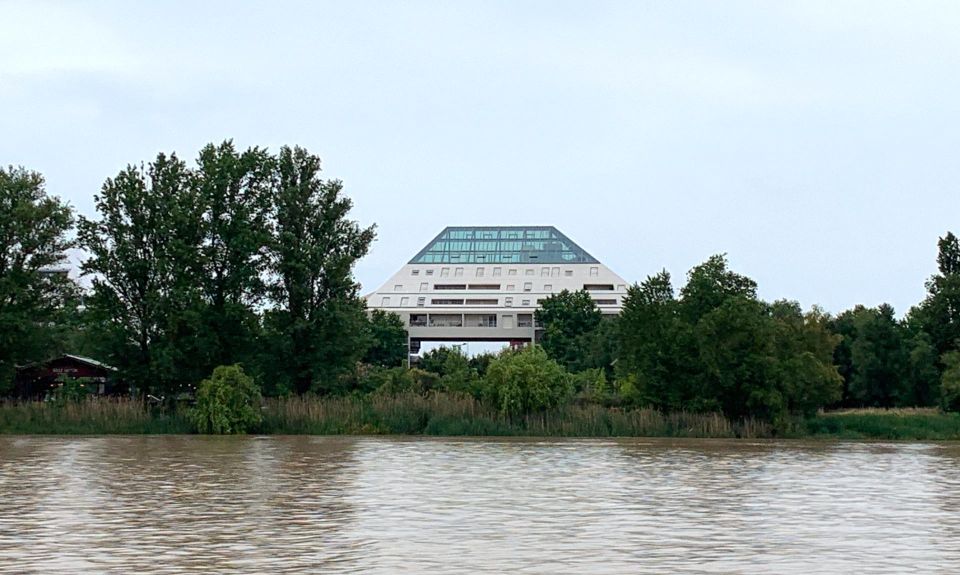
(456, 415)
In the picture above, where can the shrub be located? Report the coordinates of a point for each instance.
(228, 402)
(519, 382)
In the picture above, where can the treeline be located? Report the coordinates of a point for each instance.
(246, 258)
(715, 346)
(243, 257)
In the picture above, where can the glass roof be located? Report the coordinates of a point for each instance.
(522, 245)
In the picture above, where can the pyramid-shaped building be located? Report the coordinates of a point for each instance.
(484, 283)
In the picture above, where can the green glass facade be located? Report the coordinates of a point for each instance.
(495, 245)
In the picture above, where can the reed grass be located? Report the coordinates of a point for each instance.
(451, 414)
(454, 414)
(90, 416)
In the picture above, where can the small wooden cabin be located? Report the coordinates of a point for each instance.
(40, 380)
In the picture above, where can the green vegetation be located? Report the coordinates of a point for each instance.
(227, 403)
(247, 257)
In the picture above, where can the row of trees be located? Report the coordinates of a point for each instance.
(717, 346)
(245, 257)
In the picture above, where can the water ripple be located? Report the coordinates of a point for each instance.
(156, 505)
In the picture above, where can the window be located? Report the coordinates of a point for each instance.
(511, 287)
(423, 286)
(385, 302)
(508, 322)
(529, 272)
(555, 272)
(525, 303)
(524, 320)
(404, 301)
(545, 272)
(547, 287)
(446, 301)
(485, 286)
(598, 287)
(568, 273)
(497, 272)
(458, 272)
(415, 272)
(594, 272)
(429, 272)
(527, 286)
(444, 272)
(421, 301)
(446, 320)
(508, 302)
(398, 287)
(449, 286)
(605, 301)
(418, 319)
(479, 272)
(483, 301)
(512, 272)
(480, 320)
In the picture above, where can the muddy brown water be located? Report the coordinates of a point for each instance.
(176, 504)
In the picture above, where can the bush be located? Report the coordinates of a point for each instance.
(520, 382)
(227, 403)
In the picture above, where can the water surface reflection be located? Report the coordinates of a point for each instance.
(409, 505)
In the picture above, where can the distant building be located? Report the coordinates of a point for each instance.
(485, 283)
(38, 380)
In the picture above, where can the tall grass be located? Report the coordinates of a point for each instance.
(914, 423)
(454, 414)
(460, 414)
(90, 416)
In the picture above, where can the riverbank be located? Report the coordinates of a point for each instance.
(457, 415)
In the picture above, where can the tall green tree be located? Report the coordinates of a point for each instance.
(388, 339)
(318, 320)
(144, 263)
(878, 359)
(939, 313)
(719, 347)
(569, 320)
(234, 191)
(655, 344)
(34, 228)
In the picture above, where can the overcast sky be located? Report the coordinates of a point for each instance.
(816, 143)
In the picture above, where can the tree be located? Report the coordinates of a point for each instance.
(33, 298)
(318, 320)
(526, 380)
(568, 319)
(939, 313)
(233, 191)
(720, 348)
(388, 339)
(227, 403)
(950, 382)
(804, 347)
(710, 284)
(879, 363)
(655, 344)
(145, 264)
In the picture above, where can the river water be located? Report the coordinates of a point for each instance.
(174, 504)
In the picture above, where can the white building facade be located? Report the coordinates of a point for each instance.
(485, 283)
